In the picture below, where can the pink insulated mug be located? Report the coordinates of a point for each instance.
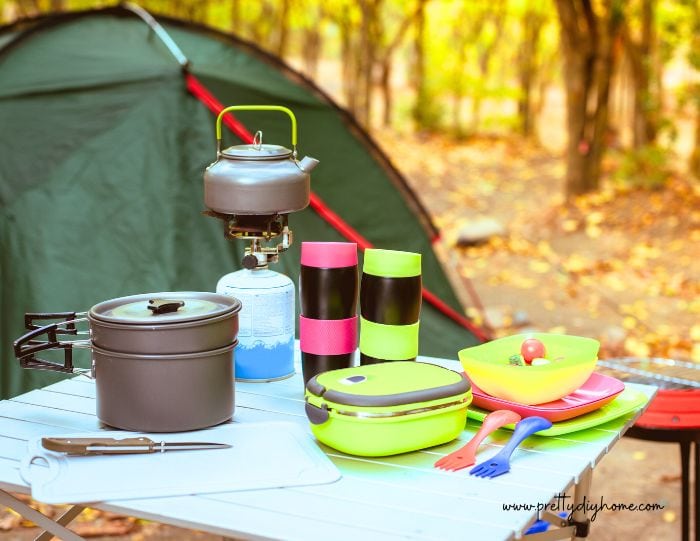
(328, 290)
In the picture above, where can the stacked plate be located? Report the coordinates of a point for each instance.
(566, 390)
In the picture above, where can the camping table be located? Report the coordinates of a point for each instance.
(381, 498)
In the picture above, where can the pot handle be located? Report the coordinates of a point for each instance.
(317, 415)
(257, 108)
(27, 346)
(68, 318)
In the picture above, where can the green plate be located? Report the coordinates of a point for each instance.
(627, 401)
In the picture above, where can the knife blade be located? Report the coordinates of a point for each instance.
(122, 446)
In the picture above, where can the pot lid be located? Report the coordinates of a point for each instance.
(164, 308)
(257, 152)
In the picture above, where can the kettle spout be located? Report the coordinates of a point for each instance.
(308, 164)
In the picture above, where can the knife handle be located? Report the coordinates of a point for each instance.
(111, 446)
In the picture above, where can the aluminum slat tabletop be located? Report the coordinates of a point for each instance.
(399, 497)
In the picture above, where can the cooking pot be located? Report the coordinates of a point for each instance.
(162, 362)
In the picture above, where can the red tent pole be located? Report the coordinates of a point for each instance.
(198, 90)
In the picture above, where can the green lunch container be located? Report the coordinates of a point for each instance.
(388, 408)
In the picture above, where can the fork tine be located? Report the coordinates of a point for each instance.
(476, 469)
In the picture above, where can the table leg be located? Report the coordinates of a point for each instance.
(37, 518)
(685, 490)
(581, 497)
(64, 519)
(697, 490)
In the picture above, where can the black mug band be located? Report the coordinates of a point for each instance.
(328, 293)
(312, 364)
(390, 301)
(368, 359)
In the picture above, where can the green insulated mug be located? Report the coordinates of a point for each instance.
(390, 299)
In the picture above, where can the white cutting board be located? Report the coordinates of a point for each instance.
(263, 455)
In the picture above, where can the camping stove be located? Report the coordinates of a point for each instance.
(253, 189)
(258, 229)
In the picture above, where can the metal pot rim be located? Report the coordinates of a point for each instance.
(158, 327)
(228, 306)
(165, 356)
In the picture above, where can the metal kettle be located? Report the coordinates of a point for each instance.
(257, 179)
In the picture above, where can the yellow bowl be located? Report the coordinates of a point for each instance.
(573, 359)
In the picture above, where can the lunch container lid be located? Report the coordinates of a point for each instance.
(165, 308)
(397, 383)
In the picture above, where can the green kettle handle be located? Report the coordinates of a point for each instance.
(257, 108)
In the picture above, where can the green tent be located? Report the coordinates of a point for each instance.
(102, 150)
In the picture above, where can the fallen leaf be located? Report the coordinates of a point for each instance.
(540, 267)
(9, 521)
(594, 231)
(695, 353)
(559, 329)
(667, 478)
(570, 225)
(669, 516)
(636, 348)
(695, 333)
(629, 323)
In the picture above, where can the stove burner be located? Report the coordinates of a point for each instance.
(257, 228)
(251, 226)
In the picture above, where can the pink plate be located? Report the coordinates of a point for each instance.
(596, 392)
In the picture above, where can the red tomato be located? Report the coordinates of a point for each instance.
(531, 349)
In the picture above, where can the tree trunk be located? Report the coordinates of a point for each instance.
(367, 57)
(695, 156)
(527, 67)
(493, 16)
(640, 54)
(603, 73)
(311, 53)
(348, 71)
(283, 29)
(236, 17)
(29, 8)
(385, 86)
(260, 29)
(421, 106)
(587, 41)
(459, 90)
(385, 62)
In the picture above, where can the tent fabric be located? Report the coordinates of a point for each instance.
(102, 151)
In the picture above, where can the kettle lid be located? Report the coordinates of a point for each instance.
(257, 152)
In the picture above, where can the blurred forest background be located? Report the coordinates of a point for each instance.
(556, 143)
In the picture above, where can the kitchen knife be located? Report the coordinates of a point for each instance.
(123, 446)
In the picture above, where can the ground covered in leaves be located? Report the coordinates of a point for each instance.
(621, 265)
